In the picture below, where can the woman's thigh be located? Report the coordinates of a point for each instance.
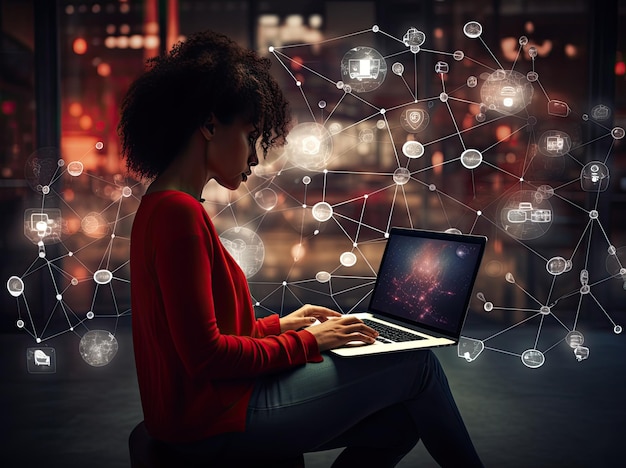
(307, 408)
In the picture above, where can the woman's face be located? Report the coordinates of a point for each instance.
(232, 152)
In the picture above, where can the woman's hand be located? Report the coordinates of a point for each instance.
(306, 316)
(337, 332)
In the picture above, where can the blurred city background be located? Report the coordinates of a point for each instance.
(65, 66)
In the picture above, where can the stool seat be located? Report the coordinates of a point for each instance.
(146, 452)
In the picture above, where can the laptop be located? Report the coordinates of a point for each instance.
(422, 291)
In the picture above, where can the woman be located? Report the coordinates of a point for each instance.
(214, 380)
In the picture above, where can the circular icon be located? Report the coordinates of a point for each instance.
(246, 247)
(363, 69)
(413, 149)
(98, 347)
(401, 176)
(506, 91)
(309, 146)
(266, 199)
(523, 217)
(533, 358)
(322, 211)
(473, 29)
(322, 276)
(414, 119)
(347, 259)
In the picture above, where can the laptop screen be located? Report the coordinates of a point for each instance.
(427, 278)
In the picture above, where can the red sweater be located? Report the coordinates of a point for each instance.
(198, 347)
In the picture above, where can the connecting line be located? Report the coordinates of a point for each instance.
(512, 326)
(491, 53)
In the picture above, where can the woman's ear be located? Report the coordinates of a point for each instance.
(208, 127)
(208, 130)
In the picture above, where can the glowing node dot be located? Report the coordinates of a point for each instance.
(257, 303)
(432, 187)
(306, 180)
(618, 133)
(383, 110)
(585, 289)
(375, 28)
(271, 48)
(479, 213)
(354, 244)
(488, 306)
(70, 254)
(443, 97)
(325, 171)
(304, 205)
(42, 254)
(127, 192)
(322, 276)
(99, 145)
(386, 235)
(611, 250)
(339, 84)
(38, 340)
(74, 281)
(316, 232)
(347, 259)
(593, 214)
(545, 310)
(90, 315)
(366, 196)
(112, 236)
(298, 83)
(20, 323)
(617, 329)
(45, 189)
(321, 104)
(71, 328)
(284, 283)
(59, 297)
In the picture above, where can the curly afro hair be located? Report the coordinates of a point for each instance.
(206, 74)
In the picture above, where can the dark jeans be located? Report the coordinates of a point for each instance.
(378, 407)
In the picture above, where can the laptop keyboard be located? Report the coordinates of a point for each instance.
(387, 334)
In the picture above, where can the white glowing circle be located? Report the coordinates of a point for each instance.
(533, 358)
(413, 149)
(397, 68)
(309, 146)
(472, 81)
(506, 91)
(322, 276)
(471, 158)
(617, 329)
(556, 265)
(99, 145)
(127, 191)
(574, 339)
(306, 180)
(458, 55)
(322, 211)
(246, 247)
(347, 259)
(75, 168)
(15, 286)
(266, 199)
(401, 176)
(98, 347)
(618, 133)
(472, 29)
(90, 315)
(488, 306)
(102, 276)
(20, 323)
(544, 310)
(363, 69)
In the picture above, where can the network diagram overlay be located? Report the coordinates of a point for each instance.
(369, 149)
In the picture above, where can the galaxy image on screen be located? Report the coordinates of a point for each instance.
(426, 280)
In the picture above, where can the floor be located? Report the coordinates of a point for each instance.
(563, 414)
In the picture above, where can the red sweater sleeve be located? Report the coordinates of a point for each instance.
(207, 302)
